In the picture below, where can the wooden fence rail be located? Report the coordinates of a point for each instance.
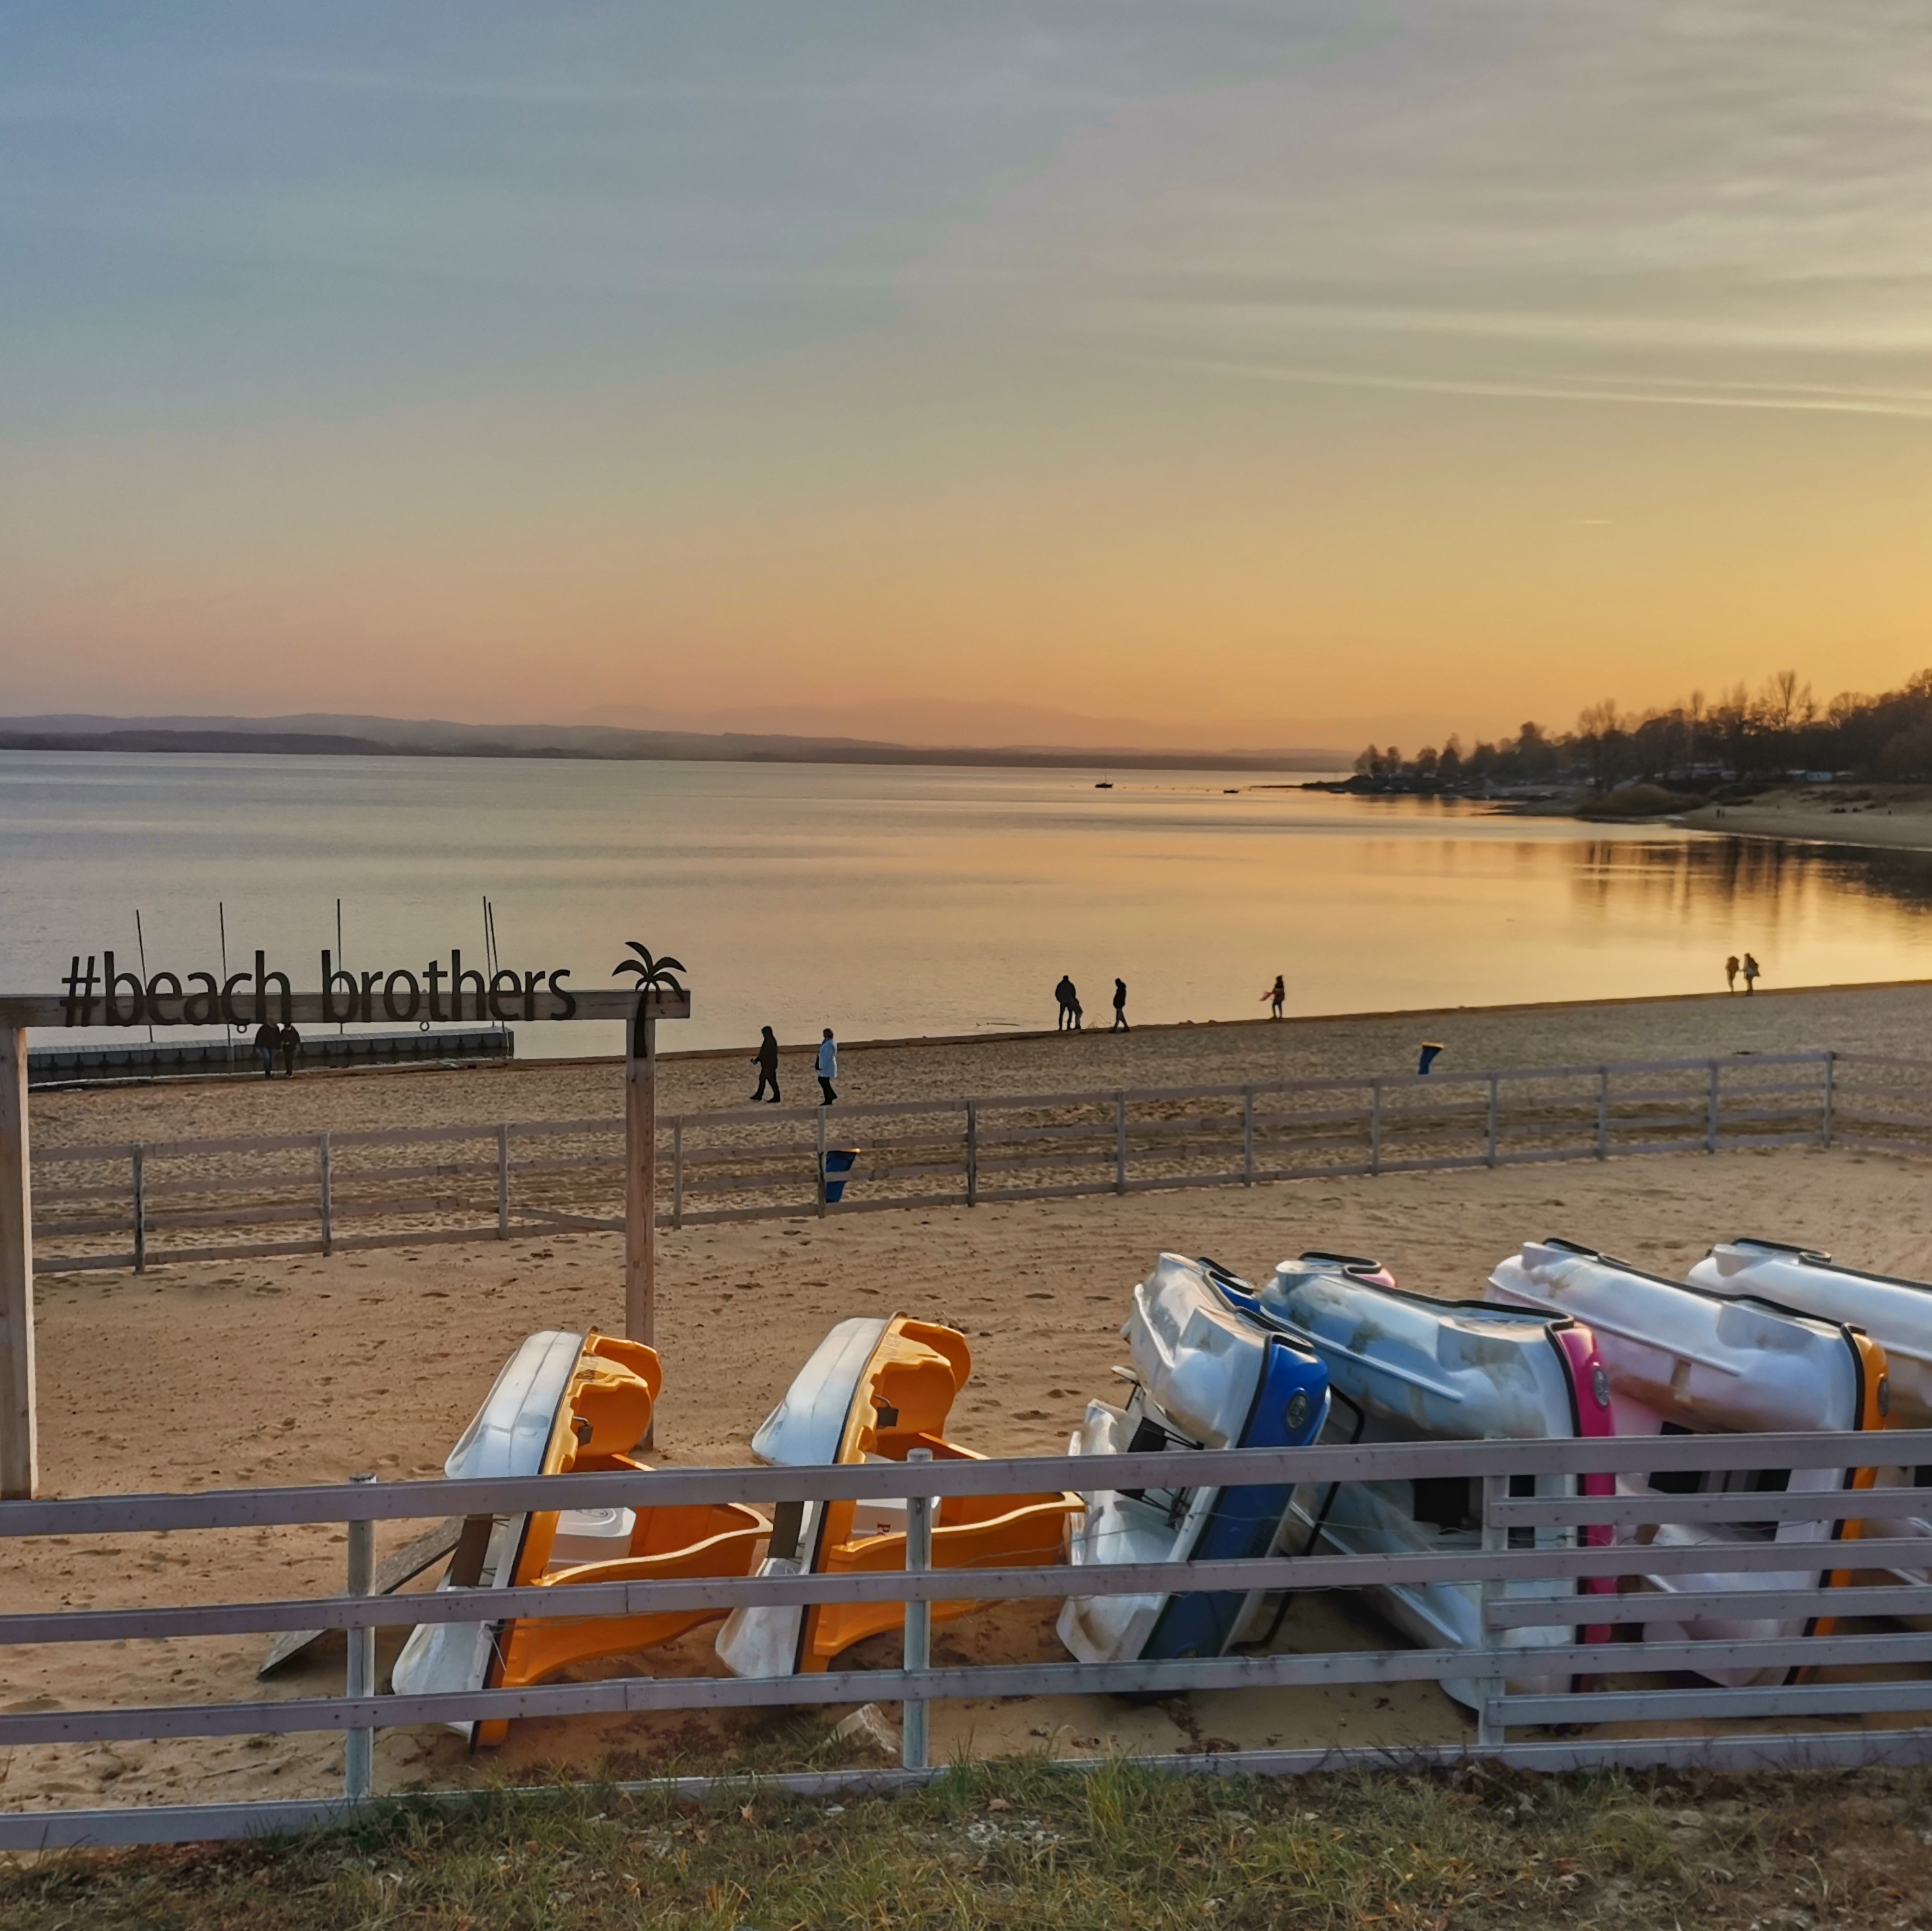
(1851, 1647)
(127, 1204)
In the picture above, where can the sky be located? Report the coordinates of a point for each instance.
(1229, 373)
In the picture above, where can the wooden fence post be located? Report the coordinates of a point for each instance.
(914, 1717)
(640, 1177)
(1247, 1136)
(503, 1182)
(1830, 1094)
(821, 1163)
(324, 1181)
(358, 1745)
(677, 1171)
(1376, 1126)
(1120, 1143)
(19, 1451)
(1489, 1732)
(1711, 1113)
(1490, 1153)
(137, 1177)
(972, 1152)
(1602, 1113)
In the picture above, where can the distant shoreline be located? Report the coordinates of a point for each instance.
(1875, 817)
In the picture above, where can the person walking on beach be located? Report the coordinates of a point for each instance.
(766, 1059)
(1751, 970)
(268, 1044)
(828, 1067)
(1731, 973)
(1277, 997)
(1078, 1011)
(1120, 1025)
(1063, 995)
(290, 1040)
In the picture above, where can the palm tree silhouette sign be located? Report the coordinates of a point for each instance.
(654, 975)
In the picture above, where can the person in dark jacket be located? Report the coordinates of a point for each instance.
(268, 1044)
(290, 1042)
(1064, 998)
(1120, 1025)
(766, 1059)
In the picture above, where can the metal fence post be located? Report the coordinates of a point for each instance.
(324, 1187)
(1711, 1113)
(503, 1183)
(1602, 1113)
(821, 1163)
(1120, 1143)
(677, 1171)
(1490, 1732)
(1489, 1154)
(139, 1164)
(1374, 1126)
(972, 1152)
(914, 1747)
(1830, 1094)
(1247, 1136)
(359, 1746)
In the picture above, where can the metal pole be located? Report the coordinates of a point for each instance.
(641, 1178)
(1489, 1732)
(1376, 1126)
(1831, 1095)
(677, 1171)
(359, 1746)
(1710, 1114)
(1120, 1143)
(821, 1163)
(972, 1152)
(1602, 1113)
(325, 1163)
(914, 1752)
(503, 1182)
(1247, 1136)
(20, 1454)
(137, 1163)
(1490, 1153)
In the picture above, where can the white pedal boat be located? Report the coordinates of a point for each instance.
(1405, 1367)
(1682, 1360)
(1897, 1313)
(564, 1404)
(872, 1391)
(1203, 1377)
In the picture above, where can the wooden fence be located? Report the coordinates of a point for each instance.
(138, 1204)
(1847, 1693)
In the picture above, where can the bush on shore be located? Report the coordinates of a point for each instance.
(1637, 801)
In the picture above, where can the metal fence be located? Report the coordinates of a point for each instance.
(1867, 1653)
(137, 1205)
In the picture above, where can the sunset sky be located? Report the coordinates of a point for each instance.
(1278, 374)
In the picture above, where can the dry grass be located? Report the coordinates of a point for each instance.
(1638, 801)
(1117, 1850)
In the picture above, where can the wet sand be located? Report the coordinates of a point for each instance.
(1895, 815)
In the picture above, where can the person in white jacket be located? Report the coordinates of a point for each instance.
(828, 1067)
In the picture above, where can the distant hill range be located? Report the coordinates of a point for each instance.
(317, 735)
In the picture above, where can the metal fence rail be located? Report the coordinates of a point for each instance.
(1850, 1644)
(137, 1205)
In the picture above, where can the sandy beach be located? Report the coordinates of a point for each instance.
(1898, 815)
(230, 1375)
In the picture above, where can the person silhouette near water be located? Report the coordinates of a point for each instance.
(1120, 1025)
(1065, 998)
(1731, 973)
(1751, 971)
(828, 1067)
(766, 1059)
(1277, 997)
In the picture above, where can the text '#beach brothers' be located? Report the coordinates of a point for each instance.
(113, 997)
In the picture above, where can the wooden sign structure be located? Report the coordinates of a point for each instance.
(251, 1000)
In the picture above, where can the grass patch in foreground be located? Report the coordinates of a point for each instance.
(1022, 1845)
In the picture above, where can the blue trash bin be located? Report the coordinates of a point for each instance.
(838, 1160)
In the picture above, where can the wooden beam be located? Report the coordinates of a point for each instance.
(640, 1179)
(20, 1454)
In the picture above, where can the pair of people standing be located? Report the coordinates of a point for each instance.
(1750, 968)
(766, 1059)
(273, 1042)
(1072, 1014)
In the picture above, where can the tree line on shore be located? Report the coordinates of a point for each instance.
(1695, 744)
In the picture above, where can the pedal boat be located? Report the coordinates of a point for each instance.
(1406, 1367)
(1203, 1377)
(1682, 1360)
(1896, 1312)
(565, 1403)
(872, 1391)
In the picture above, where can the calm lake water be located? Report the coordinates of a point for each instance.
(910, 900)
